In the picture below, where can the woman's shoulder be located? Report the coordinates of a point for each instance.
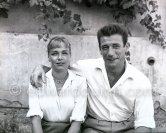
(76, 77)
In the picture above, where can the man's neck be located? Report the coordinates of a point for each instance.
(116, 72)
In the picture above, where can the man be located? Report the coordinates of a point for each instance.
(119, 96)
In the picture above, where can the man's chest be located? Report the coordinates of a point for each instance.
(112, 87)
(112, 80)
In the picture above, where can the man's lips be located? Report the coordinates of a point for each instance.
(111, 60)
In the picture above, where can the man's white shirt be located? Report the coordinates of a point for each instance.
(131, 95)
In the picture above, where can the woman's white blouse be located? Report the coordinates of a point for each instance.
(69, 105)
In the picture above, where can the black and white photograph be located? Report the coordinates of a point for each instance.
(82, 66)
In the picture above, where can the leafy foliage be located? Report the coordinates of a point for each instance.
(123, 11)
(152, 22)
(50, 11)
(4, 7)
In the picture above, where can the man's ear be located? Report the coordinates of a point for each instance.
(127, 46)
(127, 52)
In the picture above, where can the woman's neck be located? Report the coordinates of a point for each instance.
(59, 75)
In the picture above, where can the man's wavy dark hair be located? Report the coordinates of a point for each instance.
(112, 29)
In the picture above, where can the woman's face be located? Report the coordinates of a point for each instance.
(59, 56)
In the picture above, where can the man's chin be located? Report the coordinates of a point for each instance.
(111, 64)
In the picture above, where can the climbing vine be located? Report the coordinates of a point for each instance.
(50, 11)
(4, 8)
(123, 11)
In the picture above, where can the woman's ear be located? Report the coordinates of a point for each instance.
(49, 59)
(101, 53)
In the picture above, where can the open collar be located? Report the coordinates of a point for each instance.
(68, 82)
(100, 65)
(128, 70)
(70, 77)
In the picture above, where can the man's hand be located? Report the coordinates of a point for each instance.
(38, 76)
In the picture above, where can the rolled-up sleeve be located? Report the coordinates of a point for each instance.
(79, 111)
(34, 105)
(144, 110)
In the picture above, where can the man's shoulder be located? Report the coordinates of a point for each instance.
(49, 73)
(85, 67)
(138, 75)
(77, 77)
(89, 62)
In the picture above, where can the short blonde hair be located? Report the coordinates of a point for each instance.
(58, 39)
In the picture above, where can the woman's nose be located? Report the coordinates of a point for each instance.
(60, 57)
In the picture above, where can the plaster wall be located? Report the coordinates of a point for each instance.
(20, 53)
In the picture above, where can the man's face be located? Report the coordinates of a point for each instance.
(59, 56)
(113, 50)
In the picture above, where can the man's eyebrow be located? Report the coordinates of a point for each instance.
(65, 50)
(116, 44)
(104, 45)
(54, 51)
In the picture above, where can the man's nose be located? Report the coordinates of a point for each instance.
(111, 51)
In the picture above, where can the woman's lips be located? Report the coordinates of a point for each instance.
(60, 63)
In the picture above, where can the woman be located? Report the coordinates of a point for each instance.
(59, 106)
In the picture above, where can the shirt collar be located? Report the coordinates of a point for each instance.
(128, 68)
(70, 78)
